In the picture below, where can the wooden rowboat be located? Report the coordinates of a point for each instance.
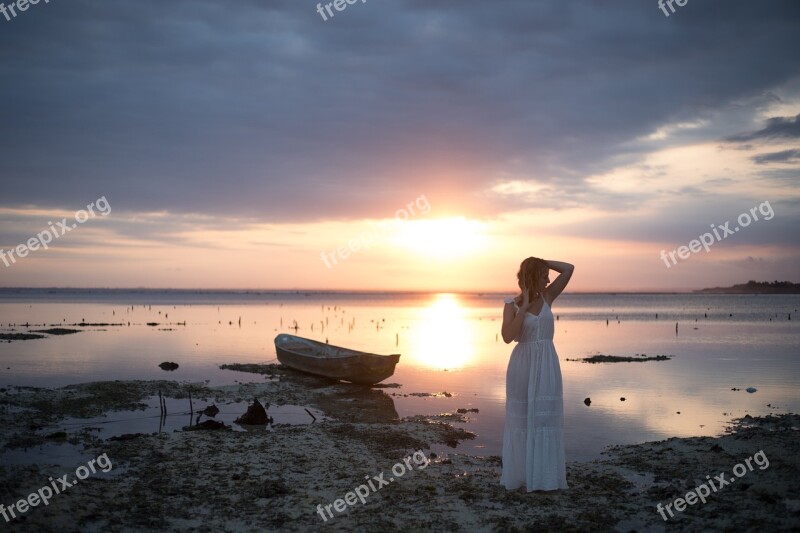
(334, 362)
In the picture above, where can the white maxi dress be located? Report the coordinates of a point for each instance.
(533, 438)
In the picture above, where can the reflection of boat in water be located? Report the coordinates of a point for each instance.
(359, 405)
(334, 362)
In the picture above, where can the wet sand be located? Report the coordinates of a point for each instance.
(274, 480)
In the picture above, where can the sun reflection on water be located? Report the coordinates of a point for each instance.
(442, 338)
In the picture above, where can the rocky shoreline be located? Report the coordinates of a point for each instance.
(279, 479)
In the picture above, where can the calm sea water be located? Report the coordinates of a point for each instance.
(449, 343)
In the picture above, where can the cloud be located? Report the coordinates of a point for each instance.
(784, 156)
(266, 112)
(776, 128)
(782, 177)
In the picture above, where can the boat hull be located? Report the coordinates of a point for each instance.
(334, 362)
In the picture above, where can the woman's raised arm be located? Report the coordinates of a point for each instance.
(565, 271)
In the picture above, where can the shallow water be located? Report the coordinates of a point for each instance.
(149, 420)
(448, 343)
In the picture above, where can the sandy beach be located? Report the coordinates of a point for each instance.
(275, 480)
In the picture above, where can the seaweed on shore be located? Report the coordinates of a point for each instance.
(252, 368)
(97, 324)
(622, 359)
(92, 399)
(20, 336)
(57, 331)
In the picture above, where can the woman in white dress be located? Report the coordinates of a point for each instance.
(533, 439)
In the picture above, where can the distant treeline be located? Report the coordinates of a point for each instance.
(758, 287)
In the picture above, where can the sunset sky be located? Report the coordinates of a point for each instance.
(241, 144)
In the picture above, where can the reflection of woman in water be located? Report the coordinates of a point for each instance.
(533, 439)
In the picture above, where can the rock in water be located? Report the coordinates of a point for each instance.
(211, 410)
(751, 390)
(588, 401)
(256, 415)
(168, 366)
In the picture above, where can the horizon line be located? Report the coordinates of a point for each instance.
(344, 291)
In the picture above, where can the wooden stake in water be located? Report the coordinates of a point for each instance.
(161, 408)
